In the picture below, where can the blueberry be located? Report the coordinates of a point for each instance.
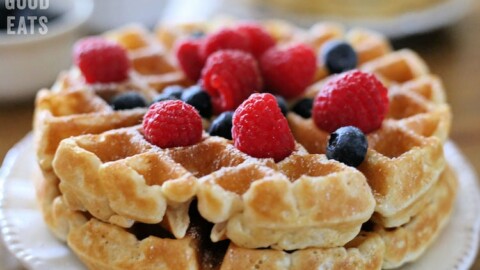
(128, 100)
(197, 34)
(173, 90)
(338, 56)
(304, 107)
(163, 97)
(347, 145)
(222, 126)
(282, 104)
(199, 99)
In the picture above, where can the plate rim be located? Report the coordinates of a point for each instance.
(25, 258)
(466, 170)
(393, 27)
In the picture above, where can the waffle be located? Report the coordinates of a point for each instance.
(408, 242)
(73, 108)
(105, 246)
(285, 208)
(98, 244)
(118, 177)
(417, 123)
(120, 202)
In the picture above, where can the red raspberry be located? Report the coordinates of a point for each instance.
(352, 98)
(172, 123)
(101, 61)
(223, 40)
(260, 129)
(259, 39)
(230, 77)
(189, 59)
(288, 71)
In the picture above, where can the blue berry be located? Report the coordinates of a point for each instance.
(304, 107)
(197, 34)
(163, 97)
(173, 90)
(282, 104)
(338, 56)
(199, 99)
(347, 145)
(128, 100)
(222, 126)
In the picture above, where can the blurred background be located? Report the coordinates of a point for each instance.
(446, 33)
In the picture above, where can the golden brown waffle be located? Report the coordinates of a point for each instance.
(121, 203)
(393, 153)
(73, 108)
(152, 65)
(104, 246)
(118, 177)
(61, 115)
(307, 201)
(417, 123)
(364, 252)
(408, 242)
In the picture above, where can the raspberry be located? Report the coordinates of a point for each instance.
(288, 71)
(259, 39)
(230, 77)
(223, 40)
(172, 123)
(260, 129)
(101, 61)
(353, 98)
(189, 59)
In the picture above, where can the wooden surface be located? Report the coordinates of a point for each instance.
(453, 53)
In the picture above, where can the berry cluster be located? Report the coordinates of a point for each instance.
(252, 126)
(233, 63)
(349, 105)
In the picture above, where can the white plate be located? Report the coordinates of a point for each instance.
(28, 238)
(437, 16)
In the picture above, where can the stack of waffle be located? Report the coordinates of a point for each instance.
(120, 202)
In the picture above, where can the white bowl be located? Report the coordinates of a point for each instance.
(109, 14)
(30, 62)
